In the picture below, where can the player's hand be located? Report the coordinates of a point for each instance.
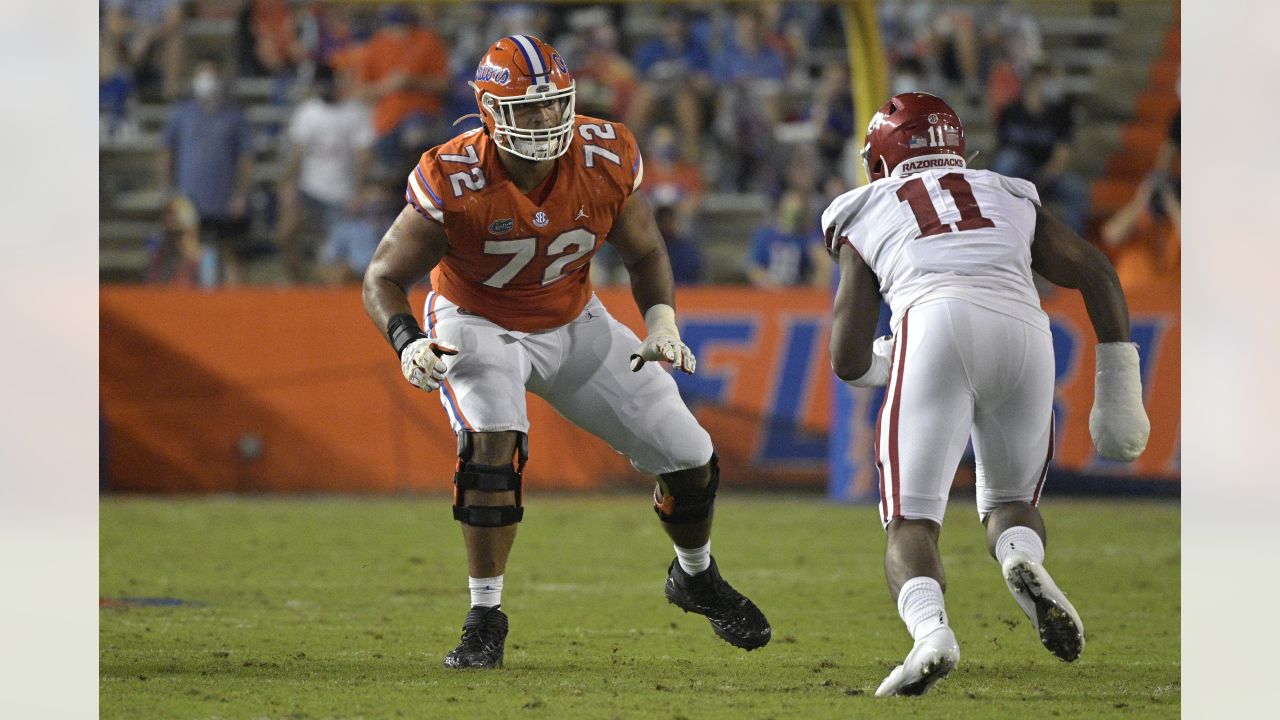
(664, 348)
(1118, 423)
(422, 362)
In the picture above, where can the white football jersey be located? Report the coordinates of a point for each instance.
(948, 233)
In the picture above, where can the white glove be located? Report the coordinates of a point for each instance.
(881, 358)
(422, 364)
(1118, 424)
(663, 342)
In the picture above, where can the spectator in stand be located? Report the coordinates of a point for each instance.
(1146, 234)
(675, 71)
(750, 76)
(405, 72)
(116, 90)
(606, 81)
(1011, 45)
(208, 157)
(786, 250)
(958, 51)
(1035, 144)
(686, 259)
(354, 236)
(669, 180)
(147, 34)
(330, 136)
(269, 45)
(173, 253)
(832, 115)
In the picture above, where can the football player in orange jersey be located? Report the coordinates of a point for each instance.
(505, 218)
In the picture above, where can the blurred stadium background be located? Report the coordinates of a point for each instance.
(235, 355)
(238, 370)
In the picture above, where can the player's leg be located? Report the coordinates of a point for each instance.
(487, 502)
(923, 429)
(1013, 443)
(484, 398)
(640, 414)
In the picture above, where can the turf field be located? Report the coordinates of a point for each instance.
(343, 608)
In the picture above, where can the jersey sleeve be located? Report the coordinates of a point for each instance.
(838, 219)
(423, 188)
(1019, 188)
(631, 159)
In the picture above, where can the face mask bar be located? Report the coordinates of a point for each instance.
(532, 143)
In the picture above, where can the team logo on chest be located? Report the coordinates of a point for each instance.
(501, 227)
(540, 219)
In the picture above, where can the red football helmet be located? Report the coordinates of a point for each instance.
(912, 132)
(521, 70)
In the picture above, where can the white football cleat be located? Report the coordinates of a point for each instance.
(1052, 615)
(933, 656)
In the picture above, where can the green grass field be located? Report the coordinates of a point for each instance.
(343, 608)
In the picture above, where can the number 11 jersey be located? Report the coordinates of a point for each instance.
(945, 233)
(523, 260)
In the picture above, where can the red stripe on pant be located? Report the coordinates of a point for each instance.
(1044, 472)
(884, 511)
(895, 473)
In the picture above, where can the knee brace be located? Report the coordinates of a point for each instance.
(488, 478)
(683, 497)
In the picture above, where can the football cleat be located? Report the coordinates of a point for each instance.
(1052, 615)
(484, 633)
(734, 618)
(932, 657)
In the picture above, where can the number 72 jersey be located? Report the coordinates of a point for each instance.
(522, 260)
(945, 233)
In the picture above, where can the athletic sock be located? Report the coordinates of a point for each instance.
(485, 591)
(921, 606)
(1022, 539)
(695, 560)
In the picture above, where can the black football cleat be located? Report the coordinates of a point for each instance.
(734, 618)
(484, 633)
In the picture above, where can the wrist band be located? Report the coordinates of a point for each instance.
(402, 330)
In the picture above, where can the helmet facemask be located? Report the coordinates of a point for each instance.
(528, 142)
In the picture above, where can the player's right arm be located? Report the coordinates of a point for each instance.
(856, 356)
(408, 251)
(1118, 422)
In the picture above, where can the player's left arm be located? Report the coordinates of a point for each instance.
(636, 237)
(857, 357)
(1118, 423)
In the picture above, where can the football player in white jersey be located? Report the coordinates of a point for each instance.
(970, 356)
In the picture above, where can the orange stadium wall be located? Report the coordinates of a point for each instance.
(294, 390)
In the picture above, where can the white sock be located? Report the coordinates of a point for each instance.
(486, 591)
(921, 606)
(695, 560)
(1020, 538)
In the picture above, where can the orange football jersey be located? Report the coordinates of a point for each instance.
(518, 263)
